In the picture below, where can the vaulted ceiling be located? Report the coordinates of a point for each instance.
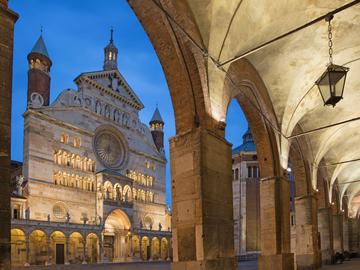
(289, 68)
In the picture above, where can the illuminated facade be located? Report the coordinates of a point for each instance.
(92, 187)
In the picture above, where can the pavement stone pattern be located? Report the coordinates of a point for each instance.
(354, 264)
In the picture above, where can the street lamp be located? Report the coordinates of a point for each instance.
(332, 82)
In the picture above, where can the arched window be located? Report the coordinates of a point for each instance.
(55, 178)
(107, 111)
(236, 174)
(98, 107)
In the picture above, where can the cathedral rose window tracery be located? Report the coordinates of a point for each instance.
(110, 149)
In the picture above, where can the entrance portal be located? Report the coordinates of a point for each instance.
(60, 250)
(116, 237)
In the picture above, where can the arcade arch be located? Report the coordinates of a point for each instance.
(76, 248)
(18, 247)
(92, 248)
(37, 247)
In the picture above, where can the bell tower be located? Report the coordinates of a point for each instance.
(157, 129)
(38, 75)
(111, 53)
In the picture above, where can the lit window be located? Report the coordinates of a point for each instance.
(77, 142)
(64, 138)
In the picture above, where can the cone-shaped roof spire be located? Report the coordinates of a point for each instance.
(40, 47)
(157, 117)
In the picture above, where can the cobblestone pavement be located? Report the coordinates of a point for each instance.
(248, 265)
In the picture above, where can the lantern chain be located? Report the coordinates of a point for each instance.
(330, 43)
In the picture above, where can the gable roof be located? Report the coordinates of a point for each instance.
(127, 95)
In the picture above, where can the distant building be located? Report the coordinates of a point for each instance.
(246, 200)
(92, 184)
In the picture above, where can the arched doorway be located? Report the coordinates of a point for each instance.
(18, 247)
(164, 248)
(145, 248)
(116, 236)
(136, 246)
(155, 248)
(76, 248)
(57, 244)
(92, 247)
(37, 247)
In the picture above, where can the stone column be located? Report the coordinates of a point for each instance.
(325, 226)
(48, 251)
(7, 21)
(354, 235)
(101, 250)
(338, 233)
(67, 240)
(131, 252)
(202, 201)
(346, 233)
(275, 224)
(84, 252)
(141, 251)
(307, 246)
(150, 250)
(27, 244)
(169, 249)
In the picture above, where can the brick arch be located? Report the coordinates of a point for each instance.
(301, 170)
(323, 192)
(181, 61)
(245, 85)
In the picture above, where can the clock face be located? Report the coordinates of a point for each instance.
(109, 149)
(36, 100)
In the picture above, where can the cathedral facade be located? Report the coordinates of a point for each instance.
(92, 184)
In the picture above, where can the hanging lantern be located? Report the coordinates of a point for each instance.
(331, 84)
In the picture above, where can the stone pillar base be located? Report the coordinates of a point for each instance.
(326, 256)
(283, 261)
(219, 264)
(307, 262)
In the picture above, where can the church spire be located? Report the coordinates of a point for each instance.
(39, 74)
(111, 52)
(157, 129)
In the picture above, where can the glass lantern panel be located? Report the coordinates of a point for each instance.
(324, 91)
(337, 80)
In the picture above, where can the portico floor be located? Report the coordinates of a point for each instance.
(248, 265)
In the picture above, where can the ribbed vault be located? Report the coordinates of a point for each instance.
(289, 67)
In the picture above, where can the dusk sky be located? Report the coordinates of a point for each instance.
(75, 33)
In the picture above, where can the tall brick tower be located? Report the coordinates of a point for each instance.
(157, 129)
(38, 75)
(7, 21)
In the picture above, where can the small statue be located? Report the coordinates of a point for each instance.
(48, 217)
(27, 213)
(85, 220)
(67, 217)
(160, 226)
(150, 227)
(100, 220)
(141, 224)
